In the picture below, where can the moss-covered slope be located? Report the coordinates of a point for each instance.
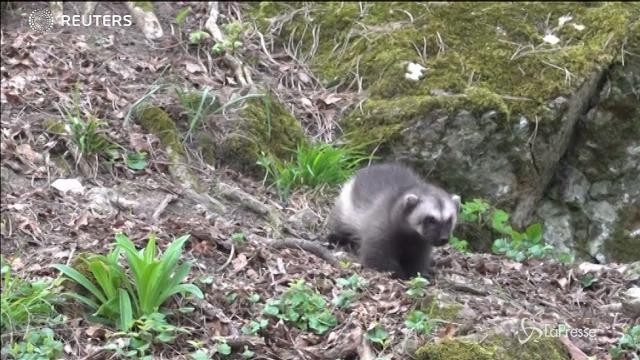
(487, 55)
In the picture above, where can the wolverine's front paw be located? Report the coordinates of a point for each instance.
(428, 272)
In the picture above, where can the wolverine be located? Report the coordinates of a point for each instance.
(393, 219)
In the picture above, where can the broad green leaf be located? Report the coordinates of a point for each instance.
(223, 348)
(80, 279)
(148, 286)
(534, 233)
(136, 161)
(126, 313)
(499, 220)
(185, 288)
(150, 249)
(101, 273)
(85, 300)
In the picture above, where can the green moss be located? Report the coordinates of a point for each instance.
(55, 127)
(622, 246)
(207, 146)
(454, 349)
(156, 121)
(495, 347)
(449, 312)
(491, 54)
(266, 126)
(382, 120)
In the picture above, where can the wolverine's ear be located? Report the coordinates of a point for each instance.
(410, 200)
(456, 200)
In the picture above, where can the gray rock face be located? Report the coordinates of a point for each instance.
(580, 173)
(450, 149)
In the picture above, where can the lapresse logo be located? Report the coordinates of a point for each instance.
(530, 332)
(41, 20)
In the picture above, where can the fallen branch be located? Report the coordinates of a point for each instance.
(306, 245)
(163, 205)
(576, 353)
(146, 21)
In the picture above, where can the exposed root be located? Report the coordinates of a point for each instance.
(306, 245)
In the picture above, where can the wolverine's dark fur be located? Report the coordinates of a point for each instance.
(382, 235)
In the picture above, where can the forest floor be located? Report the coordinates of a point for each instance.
(112, 68)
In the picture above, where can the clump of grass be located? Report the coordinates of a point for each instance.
(313, 165)
(26, 314)
(86, 132)
(26, 302)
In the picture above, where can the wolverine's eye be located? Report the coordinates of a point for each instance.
(429, 220)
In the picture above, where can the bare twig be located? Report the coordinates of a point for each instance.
(163, 205)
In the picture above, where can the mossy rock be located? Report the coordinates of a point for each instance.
(494, 348)
(483, 56)
(158, 122)
(623, 246)
(265, 126)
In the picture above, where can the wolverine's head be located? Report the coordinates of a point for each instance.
(432, 214)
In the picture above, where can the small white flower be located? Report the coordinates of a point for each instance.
(564, 19)
(551, 39)
(414, 71)
(578, 27)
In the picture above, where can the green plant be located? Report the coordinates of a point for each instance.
(197, 37)
(223, 348)
(314, 165)
(200, 355)
(233, 34)
(417, 287)
(629, 342)
(472, 211)
(26, 302)
(254, 326)
(199, 104)
(156, 279)
(350, 287)
(110, 300)
(302, 306)
(238, 238)
(564, 258)
(87, 134)
(419, 322)
(37, 344)
(136, 161)
(378, 335)
(459, 245)
(149, 329)
(247, 354)
(512, 243)
(518, 246)
(181, 16)
(119, 300)
(587, 280)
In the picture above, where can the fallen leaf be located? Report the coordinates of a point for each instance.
(193, 67)
(239, 262)
(304, 77)
(331, 99)
(306, 102)
(65, 185)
